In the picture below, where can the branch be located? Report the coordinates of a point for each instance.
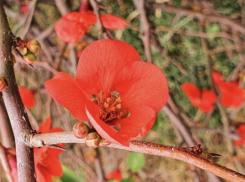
(16, 111)
(39, 140)
(5, 163)
(144, 28)
(6, 132)
(200, 16)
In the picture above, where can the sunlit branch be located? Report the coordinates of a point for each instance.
(39, 140)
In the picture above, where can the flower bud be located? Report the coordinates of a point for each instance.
(80, 130)
(24, 51)
(30, 58)
(34, 46)
(3, 84)
(104, 142)
(93, 140)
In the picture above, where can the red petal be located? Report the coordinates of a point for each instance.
(64, 89)
(217, 77)
(227, 86)
(27, 97)
(241, 131)
(13, 167)
(105, 131)
(239, 142)
(234, 98)
(138, 123)
(45, 126)
(42, 175)
(142, 84)
(54, 167)
(208, 100)
(116, 175)
(69, 31)
(101, 61)
(112, 22)
(191, 91)
(88, 17)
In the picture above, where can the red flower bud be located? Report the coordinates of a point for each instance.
(24, 51)
(30, 58)
(93, 140)
(3, 84)
(80, 130)
(34, 46)
(104, 142)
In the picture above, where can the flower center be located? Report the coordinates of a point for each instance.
(111, 106)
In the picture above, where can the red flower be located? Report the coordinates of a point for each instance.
(232, 94)
(241, 132)
(116, 175)
(204, 100)
(112, 22)
(27, 97)
(113, 89)
(11, 157)
(72, 27)
(46, 159)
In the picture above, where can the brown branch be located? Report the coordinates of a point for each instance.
(39, 140)
(194, 34)
(16, 111)
(144, 28)
(5, 127)
(5, 163)
(200, 16)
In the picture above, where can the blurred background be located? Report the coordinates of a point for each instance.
(187, 40)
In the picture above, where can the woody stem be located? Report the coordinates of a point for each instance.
(39, 140)
(15, 109)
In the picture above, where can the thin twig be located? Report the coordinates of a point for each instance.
(144, 28)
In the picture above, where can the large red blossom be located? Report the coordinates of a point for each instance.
(46, 159)
(72, 26)
(232, 94)
(27, 97)
(115, 175)
(204, 100)
(241, 132)
(113, 89)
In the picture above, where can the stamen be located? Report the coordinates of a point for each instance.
(111, 106)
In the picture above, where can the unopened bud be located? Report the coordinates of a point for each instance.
(104, 142)
(3, 84)
(34, 46)
(30, 58)
(93, 140)
(24, 51)
(80, 130)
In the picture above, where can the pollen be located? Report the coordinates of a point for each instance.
(111, 106)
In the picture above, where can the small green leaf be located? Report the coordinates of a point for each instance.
(136, 161)
(69, 175)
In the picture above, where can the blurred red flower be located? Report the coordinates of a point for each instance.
(115, 175)
(27, 97)
(72, 26)
(46, 159)
(241, 132)
(11, 156)
(113, 89)
(232, 94)
(204, 100)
